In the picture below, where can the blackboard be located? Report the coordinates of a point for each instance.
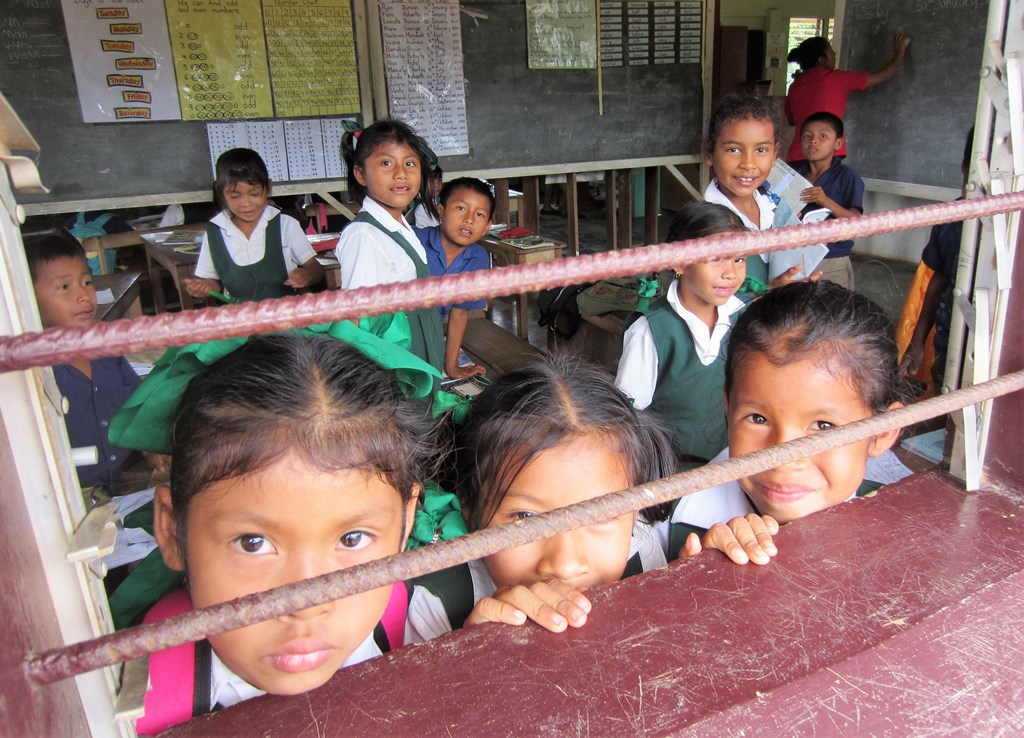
(516, 116)
(80, 160)
(523, 117)
(912, 128)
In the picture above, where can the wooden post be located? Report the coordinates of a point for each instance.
(651, 203)
(501, 214)
(530, 215)
(624, 204)
(611, 209)
(572, 213)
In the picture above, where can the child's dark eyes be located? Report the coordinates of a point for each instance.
(253, 543)
(757, 419)
(822, 425)
(355, 540)
(522, 515)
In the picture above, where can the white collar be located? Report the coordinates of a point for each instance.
(226, 687)
(765, 207)
(724, 311)
(223, 219)
(713, 505)
(386, 219)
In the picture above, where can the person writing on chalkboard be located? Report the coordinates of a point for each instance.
(251, 250)
(819, 86)
(386, 163)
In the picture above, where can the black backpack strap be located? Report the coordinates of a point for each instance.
(454, 587)
(202, 679)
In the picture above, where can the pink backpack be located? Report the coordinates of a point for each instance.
(172, 673)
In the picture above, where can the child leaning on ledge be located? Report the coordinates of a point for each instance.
(96, 389)
(465, 206)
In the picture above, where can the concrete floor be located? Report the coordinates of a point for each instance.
(885, 281)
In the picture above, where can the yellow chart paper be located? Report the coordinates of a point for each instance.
(312, 57)
(220, 59)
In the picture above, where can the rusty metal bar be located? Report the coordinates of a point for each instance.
(75, 659)
(58, 345)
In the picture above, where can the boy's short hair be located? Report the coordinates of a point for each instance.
(42, 248)
(824, 116)
(468, 183)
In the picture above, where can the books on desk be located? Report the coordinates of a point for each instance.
(529, 242)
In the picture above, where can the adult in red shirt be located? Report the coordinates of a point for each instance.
(820, 87)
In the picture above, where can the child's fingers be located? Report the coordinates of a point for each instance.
(721, 536)
(691, 547)
(762, 530)
(490, 610)
(547, 605)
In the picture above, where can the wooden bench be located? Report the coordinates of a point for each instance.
(499, 350)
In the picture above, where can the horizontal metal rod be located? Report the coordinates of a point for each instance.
(60, 345)
(78, 658)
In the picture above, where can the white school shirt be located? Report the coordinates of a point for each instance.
(368, 256)
(638, 368)
(423, 218)
(245, 251)
(227, 688)
(765, 206)
(427, 618)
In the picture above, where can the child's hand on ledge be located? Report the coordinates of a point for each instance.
(551, 603)
(743, 540)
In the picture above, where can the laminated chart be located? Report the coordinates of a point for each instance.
(423, 64)
(122, 60)
(642, 33)
(293, 149)
(312, 57)
(220, 58)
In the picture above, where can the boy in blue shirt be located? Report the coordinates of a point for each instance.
(836, 187)
(96, 389)
(465, 209)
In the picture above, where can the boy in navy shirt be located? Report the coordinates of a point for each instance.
(836, 187)
(96, 389)
(465, 209)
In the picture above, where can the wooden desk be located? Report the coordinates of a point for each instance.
(505, 254)
(125, 288)
(100, 244)
(180, 265)
(499, 350)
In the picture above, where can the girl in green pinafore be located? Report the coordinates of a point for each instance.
(673, 357)
(251, 250)
(386, 163)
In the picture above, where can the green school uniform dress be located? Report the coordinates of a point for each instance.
(688, 395)
(260, 281)
(427, 330)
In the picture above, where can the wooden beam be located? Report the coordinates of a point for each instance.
(651, 205)
(529, 216)
(572, 213)
(501, 210)
(624, 206)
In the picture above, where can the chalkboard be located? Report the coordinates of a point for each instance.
(80, 160)
(523, 117)
(516, 116)
(912, 128)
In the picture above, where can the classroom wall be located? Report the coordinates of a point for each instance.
(903, 246)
